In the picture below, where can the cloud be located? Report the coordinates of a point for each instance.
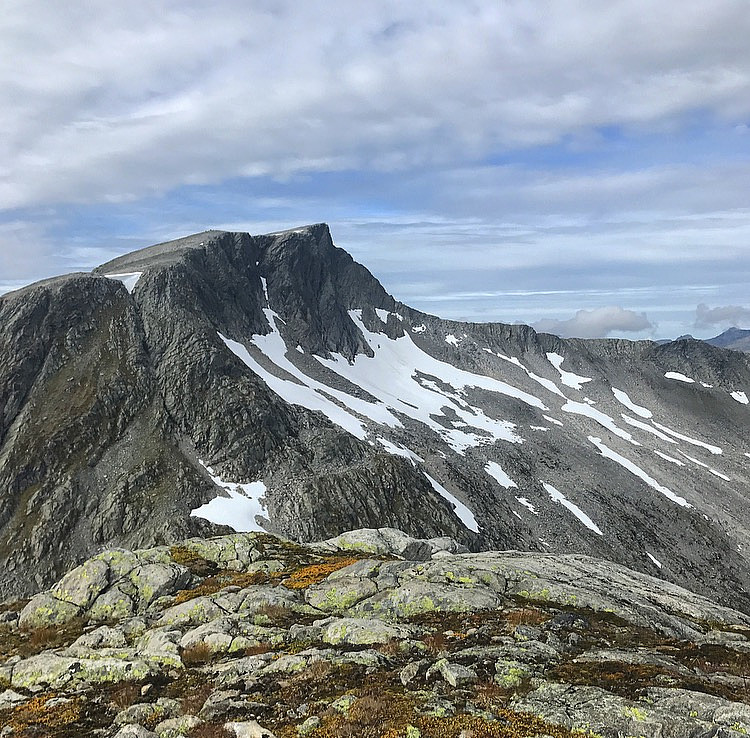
(596, 323)
(725, 316)
(110, 102)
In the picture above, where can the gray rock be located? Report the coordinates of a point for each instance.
(248, 729)
(43, 609)
(9, 698)
(310, 725)
(82, 585)
(177, 727)
(453, 674)
(140, 713)
(221, 702)
(362, 631)
(134, 731)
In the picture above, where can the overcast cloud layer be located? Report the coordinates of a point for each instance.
(567, 163)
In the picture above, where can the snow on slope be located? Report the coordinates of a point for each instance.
(633, 468)
(305, 391)
(623, 398)
(679, 377)
(464, 514)
(558, 496)
(582, 408)
(398, 376)
(130, 279)
(567, 378)
(238, 511)
(496, 472)
(709, 447)
(546, 383)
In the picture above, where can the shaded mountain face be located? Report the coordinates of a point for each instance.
(736, 339)
(271, 382)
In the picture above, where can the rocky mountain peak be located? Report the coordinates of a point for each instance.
(268, 382)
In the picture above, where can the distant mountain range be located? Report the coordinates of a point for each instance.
(735, 339)
(227, 381)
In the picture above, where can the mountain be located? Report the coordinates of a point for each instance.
(736, 339)
(370, 634)
(271, 382)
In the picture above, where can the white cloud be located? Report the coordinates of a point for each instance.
(596, 323)
(108, 101)
(725, 316)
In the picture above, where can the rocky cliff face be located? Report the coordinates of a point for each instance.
(269, 382)
(370, 634)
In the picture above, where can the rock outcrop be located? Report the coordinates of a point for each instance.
(258, 636)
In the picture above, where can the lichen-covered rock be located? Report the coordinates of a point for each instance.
(177, 727)
(44, 609)
(338, 595)
(420, 597)
(361, 631)
(148, 712)
(248, 729)
(102, 637)
(134, 731)
(673, 712)
(84, 584)
(114, 604)
(392, 542)
(453, 674)
(155, 580)
(235, 552)
(193, 612)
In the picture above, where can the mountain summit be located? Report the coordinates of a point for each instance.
(227, 381)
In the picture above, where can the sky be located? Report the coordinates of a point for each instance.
(580, 166)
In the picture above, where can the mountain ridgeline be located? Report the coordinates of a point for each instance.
(225, 380)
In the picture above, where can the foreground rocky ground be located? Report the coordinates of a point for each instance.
(370, 634)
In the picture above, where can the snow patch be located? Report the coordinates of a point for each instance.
(713, 449)
(395, 375)
(623, 398)
(129, 279)
(567, 378)
(706, 466)
(528, 505)
(395, 450)
(238, 511)
(548, 384)
(581, 408)
(558, 496)
(671, 459)
(419, 328)
(543, 428)
(264, 285)
(679, 377)
(451, 339)
(740, 397)
(465, 515)
(383, 315)
(552, 420)
(648, 428)
(305, 391)
(654, 560)
(496, 472)
(708, 386)
(608, 453)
